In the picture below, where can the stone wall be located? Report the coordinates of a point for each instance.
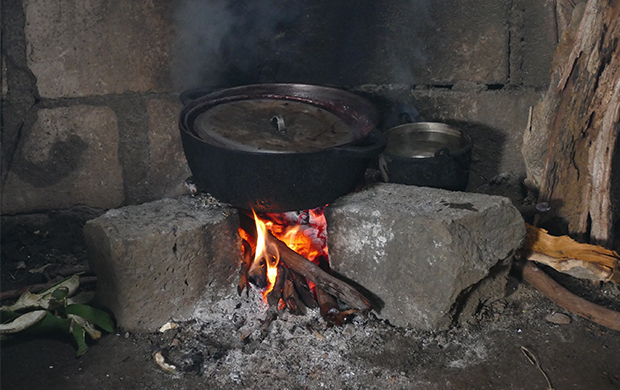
(90, 90)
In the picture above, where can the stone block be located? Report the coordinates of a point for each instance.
(68, 157)
(444, 42)
(539, 41)
(495, 120)
(98, 47)
(421, 250)
(168, 167)
(155, 261)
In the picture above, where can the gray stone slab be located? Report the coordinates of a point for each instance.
(155, 261)
(99, 47)
(420, 250)
(68, 157)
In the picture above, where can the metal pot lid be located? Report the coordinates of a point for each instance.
(272, 125)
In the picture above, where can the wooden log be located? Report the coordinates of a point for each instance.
(248, 255)
(273, 298)
(565, 299)
(574, 129)
(320, 278)
(569, 256)
(302, 289)
(291, 300)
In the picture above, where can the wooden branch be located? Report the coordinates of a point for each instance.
(565, 299)
(303, 291)
(273, 298)
(564, 254)
(322, 279)
(291, 300)
(246, 262)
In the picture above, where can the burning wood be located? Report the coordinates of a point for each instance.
(248, 255)
(289, 277)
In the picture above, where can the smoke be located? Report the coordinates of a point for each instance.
(221, 43)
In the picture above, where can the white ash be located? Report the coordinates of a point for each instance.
(302, 352)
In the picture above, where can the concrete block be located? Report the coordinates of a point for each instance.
(444, 42)
(496, 121)
(421, 250)
(168, 167)
(68, 157)
(98, 47)
(155, 261)
(539, 41)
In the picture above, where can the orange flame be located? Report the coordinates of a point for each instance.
(308, 238)
(271, 260)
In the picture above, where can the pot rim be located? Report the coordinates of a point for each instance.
(350, 107)
(427, 127)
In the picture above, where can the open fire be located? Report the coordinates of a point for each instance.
(286, 255)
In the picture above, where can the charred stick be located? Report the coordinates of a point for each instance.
(272, 314)
(291, 300)
(302, 289)
(330, 311)
(327, 302)
(276, 294)
(245, 266)
(321, 279)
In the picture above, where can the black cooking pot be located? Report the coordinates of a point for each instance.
(279, 147)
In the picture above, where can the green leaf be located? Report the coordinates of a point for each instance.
(7, 315)
(23, 322)
(49, 324)
(80, 338)
(96, 316)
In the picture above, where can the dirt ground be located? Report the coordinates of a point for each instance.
(222, 348)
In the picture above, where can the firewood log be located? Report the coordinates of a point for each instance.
(571, 257)
(291, 300)
(320, 278)
(565, 299)
(302, 289)
(245, 266)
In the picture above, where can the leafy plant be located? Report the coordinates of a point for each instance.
(57, 309)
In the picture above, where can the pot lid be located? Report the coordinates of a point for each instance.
(273, 125)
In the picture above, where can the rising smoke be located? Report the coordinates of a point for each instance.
(222, 43)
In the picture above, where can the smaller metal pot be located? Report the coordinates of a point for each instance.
(427, 154)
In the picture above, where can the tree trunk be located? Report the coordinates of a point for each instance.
(581, 114)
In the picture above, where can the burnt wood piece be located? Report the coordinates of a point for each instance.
(574, 128)
(302, 289)
(257, 274)
(330, 311)
(291, 300)
(320, 278)
(245, 266)
(565, 299)
(276, 294)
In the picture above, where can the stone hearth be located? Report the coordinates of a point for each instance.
(425, 256)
